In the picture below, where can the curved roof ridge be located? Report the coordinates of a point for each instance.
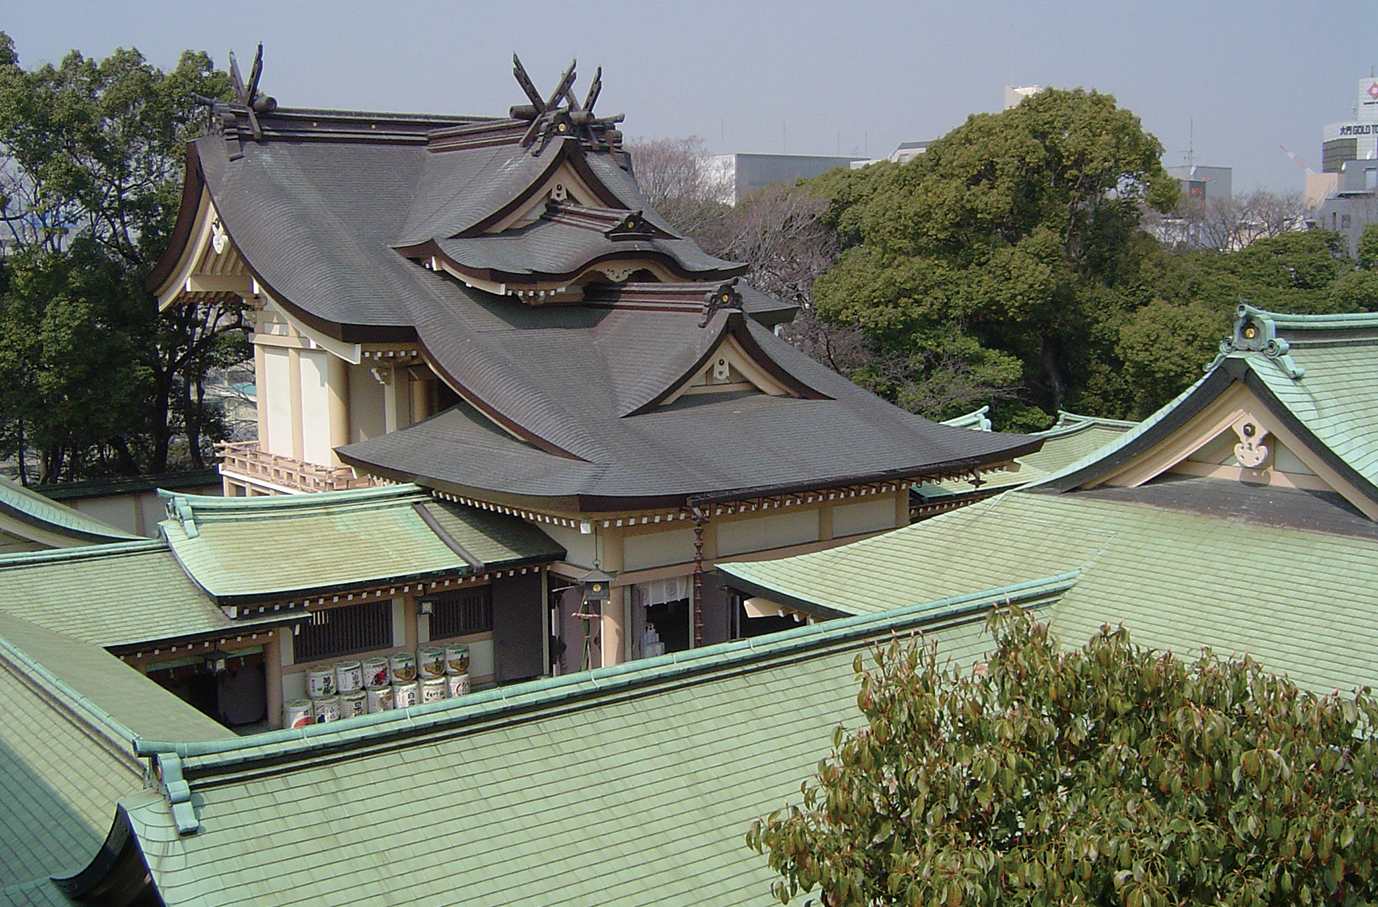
(490, 381)
(84, 552)
(674, 370)
(444, 178)
(32, 508)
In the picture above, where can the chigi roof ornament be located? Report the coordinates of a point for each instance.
(551, 119)
(248, 102)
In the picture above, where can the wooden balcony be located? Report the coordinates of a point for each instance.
(244, 460)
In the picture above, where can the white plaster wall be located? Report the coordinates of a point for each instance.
(864, 516)
(670, 546)
(776, 530)
(367, 417)
(315, 408)
(275, 387)
(579, 546)
(1286, 461)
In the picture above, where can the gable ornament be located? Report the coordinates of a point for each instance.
(1251, 452)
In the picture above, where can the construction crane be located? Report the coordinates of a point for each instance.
(1296, 160)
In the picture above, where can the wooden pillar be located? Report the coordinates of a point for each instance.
(420, 398)
(261, 398)
(902, 507)
(613, 639)
(337, 393)
(396, 401)
(825, 521)
(294, 399)
(272, 676)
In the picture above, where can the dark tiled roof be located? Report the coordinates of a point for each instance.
(696, 445)
(575, 388)
(558, 249)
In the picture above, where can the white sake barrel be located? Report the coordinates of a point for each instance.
(320, 682)
(457, 659)
(407, 694)
(433, 689)
(458, 684)
(431, 662)
(327, 709)
(402, 667)
(349, 676)
(375, 673)
(352, 705)
(297, 713)
(380, 700)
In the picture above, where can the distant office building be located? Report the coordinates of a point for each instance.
(1349, 157)
(1355, 139)
(1015, 94)
(907, 151)
(745, 174)
(1201, 183)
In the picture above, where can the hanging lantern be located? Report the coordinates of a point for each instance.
(597, 585)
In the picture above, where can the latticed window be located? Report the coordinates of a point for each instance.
(340, 631)
(462, 612)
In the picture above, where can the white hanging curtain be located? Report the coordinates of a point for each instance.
(660, 591)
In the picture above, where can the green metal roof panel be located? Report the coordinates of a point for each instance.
(37, 893)
(35, 510)
(1336, 398)
(334, 540)
(894, 569)
(1062, 445)
(103, 688)
(1298, 601)
(71, 711)
(517, 812)
(109, 595)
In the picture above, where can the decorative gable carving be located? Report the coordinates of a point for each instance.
(730, 369)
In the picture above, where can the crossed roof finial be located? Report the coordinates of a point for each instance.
(561, 114)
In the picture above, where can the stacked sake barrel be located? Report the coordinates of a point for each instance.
(348, 689)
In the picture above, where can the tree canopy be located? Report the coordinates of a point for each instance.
(988, 264)
(1111, 774)
(92, 377)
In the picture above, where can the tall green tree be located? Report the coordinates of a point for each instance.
(991, 261)
(1106, 775)
(91, 157)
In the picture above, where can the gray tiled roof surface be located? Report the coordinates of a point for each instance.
(555, 248)
(697, 444)
(319, 223)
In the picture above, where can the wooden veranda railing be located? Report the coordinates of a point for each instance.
(244, 459)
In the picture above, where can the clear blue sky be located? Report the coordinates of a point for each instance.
(803, 77)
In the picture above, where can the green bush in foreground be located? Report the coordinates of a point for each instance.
(1106, 775)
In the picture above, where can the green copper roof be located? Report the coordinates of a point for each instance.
(46, 518)
(71, 712)
(260, 549)
(1300, 601)
(650, 772)
(109, 595)
(1336, 398)
(1318, 373)
(1073, 438)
